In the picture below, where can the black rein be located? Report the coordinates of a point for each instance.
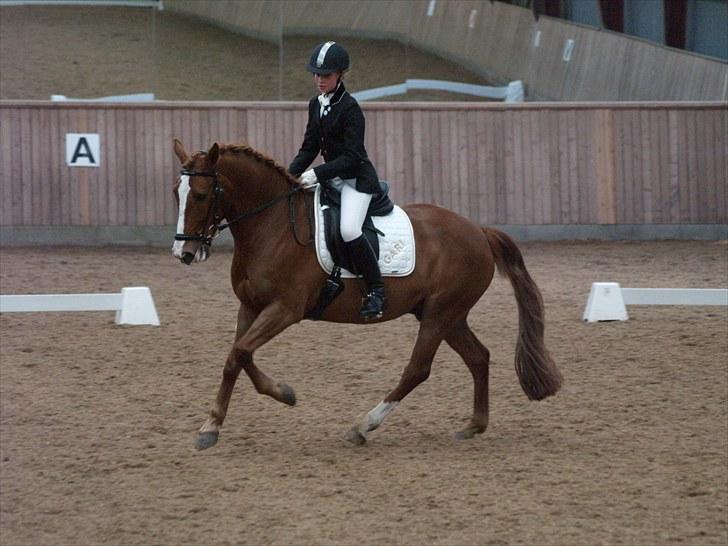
(216, 218)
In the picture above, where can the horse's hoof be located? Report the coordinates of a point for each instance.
(206, 439)
(355, 437)
(468, 433)
(287, 394)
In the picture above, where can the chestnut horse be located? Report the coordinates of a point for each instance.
(277, 278)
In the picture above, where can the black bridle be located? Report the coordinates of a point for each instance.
(213, 219)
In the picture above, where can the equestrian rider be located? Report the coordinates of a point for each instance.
(336, 129)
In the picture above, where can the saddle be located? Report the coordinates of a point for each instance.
(384, 219)
(381, 205)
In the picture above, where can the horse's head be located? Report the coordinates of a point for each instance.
(198, 193)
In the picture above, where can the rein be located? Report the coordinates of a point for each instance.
(252, 212)
(214, 226)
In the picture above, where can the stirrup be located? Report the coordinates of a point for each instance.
(374, 305)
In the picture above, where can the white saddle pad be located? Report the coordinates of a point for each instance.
(396, 248)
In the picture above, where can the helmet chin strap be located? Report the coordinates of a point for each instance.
(335, 89)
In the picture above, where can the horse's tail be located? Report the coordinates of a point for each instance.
(537, 372)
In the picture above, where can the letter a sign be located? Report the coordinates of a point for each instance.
(82, 150)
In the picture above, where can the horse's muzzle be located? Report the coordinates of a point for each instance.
(187, 258)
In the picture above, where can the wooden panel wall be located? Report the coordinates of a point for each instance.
(499, 44)
(531, 164)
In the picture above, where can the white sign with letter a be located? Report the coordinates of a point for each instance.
(82, 150)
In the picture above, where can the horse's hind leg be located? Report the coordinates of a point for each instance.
(477, 358)
(252, 332)
(418, 370)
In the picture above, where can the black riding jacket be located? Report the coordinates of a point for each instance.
(339, 136)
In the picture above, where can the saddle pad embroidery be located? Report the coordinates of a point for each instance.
(396, 248)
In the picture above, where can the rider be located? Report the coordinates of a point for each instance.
(336, 129)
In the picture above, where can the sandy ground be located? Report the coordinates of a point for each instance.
(97, 421)
(87, 52)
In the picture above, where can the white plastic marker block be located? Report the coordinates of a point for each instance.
(134, 305)
(514, 91)
(137, 307)
(605, 303)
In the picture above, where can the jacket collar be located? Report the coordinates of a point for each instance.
(338, 93)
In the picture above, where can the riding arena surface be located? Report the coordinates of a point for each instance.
(98, 421)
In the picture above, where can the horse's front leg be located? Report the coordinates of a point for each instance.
(252, 332)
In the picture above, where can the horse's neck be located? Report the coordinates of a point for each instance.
(254, 182)
(253, 185)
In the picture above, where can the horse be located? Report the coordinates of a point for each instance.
(277, 279)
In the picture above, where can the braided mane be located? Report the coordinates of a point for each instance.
(260, 158)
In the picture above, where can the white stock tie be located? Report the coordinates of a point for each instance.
(324, 101)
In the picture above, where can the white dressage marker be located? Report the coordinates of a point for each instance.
(607, 300)
(134, 305)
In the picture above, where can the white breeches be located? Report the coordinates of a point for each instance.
(354, 206)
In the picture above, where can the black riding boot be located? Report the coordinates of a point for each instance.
(365, 261)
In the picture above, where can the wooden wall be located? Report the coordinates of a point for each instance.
(530, 164)
(494, 39)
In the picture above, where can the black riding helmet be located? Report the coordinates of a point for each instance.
(328, 58)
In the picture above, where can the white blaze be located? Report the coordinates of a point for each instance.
(183, 191)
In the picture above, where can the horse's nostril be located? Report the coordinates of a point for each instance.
(187, 257)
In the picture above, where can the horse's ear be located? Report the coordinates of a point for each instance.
(180, 152)
(213, 154)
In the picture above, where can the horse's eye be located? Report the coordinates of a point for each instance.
(201, 196)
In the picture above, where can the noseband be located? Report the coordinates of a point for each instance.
(213, 218)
